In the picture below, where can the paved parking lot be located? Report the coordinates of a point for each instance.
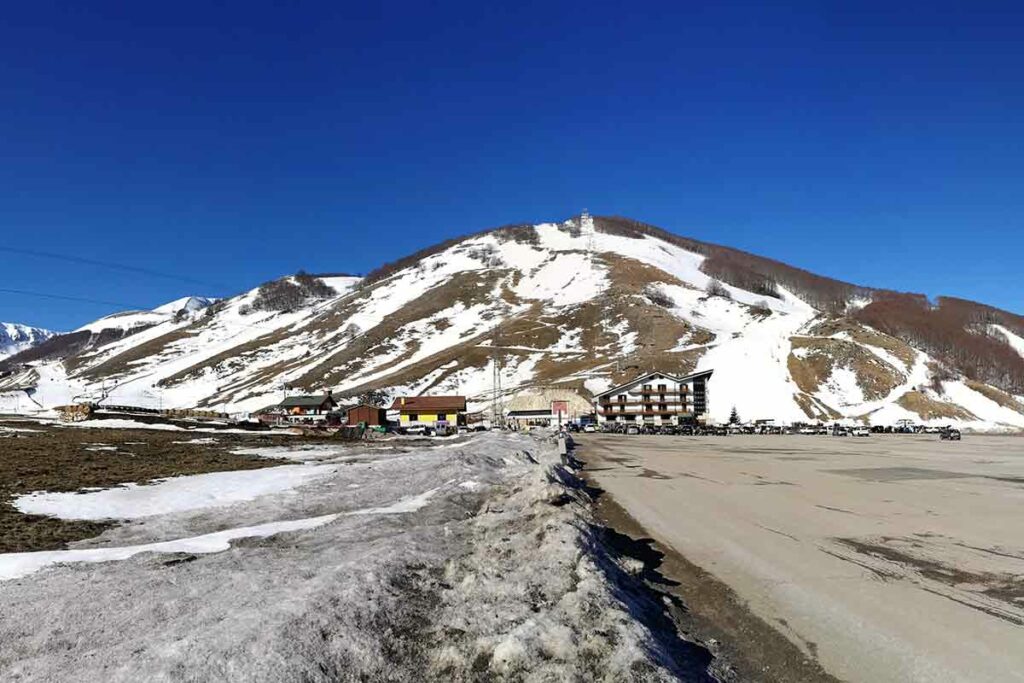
(888, 558)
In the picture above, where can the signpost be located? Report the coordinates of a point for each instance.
(560, 408)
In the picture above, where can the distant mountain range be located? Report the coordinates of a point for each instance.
(15, 338)
(581, 305)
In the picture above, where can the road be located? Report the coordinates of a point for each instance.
(888, 558)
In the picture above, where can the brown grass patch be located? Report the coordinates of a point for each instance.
(876, 378)
(815, 409)
(123, 362)
(866, 335)
(58, 459)
(930, 409)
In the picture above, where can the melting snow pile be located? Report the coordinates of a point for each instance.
(471, 561)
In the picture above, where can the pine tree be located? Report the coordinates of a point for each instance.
(734, 416)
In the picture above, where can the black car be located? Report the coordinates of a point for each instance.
(949, 434)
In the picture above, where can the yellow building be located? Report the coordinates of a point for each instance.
(430, 411)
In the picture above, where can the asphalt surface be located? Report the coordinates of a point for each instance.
(887, 558)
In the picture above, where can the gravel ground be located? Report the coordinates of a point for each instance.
(891, 558)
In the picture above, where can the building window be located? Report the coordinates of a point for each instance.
(661, 388)
(413, 416)
(622, 409)
(622, 398)
(662, 407)
(647, 387)
(648, 407)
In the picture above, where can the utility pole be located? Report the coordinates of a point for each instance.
(497, 409)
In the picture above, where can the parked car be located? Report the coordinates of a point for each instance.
(861, 431)
(949, 434)
(589, 428)
(632, 429)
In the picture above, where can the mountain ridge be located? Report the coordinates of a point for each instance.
(16, 337)
(579, 305)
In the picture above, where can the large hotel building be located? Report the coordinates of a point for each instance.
(656, 398)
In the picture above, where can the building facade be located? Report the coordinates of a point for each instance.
(308, 409)
(656, 398)
(430, 411)
(371, 416)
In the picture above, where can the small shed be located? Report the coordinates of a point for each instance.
(373, 416)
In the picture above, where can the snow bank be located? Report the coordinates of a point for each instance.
(397, 572)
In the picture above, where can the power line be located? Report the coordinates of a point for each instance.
(46, 295)
(144, 309)
(113, 266)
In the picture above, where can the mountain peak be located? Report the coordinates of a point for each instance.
(15, 338)
(574, 306)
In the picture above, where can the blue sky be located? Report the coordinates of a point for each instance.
(219, 145)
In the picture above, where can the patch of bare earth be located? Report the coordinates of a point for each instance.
(123, 362)
(876, 378)
(815, 408)
(70, 459)
(865, 335)
(930, 409)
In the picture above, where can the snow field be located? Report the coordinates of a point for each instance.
(473, 560)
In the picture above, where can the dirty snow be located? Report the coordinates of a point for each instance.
(395, 570)
(16, 565)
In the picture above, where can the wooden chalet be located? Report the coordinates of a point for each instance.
(308, 409)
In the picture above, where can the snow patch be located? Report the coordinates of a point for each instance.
(175, 494)
(17, 565)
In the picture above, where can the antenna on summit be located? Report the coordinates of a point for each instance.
(587, 229)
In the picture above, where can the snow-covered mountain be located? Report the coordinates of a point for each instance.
(15, 338)
(582, 305)
(131, 320)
